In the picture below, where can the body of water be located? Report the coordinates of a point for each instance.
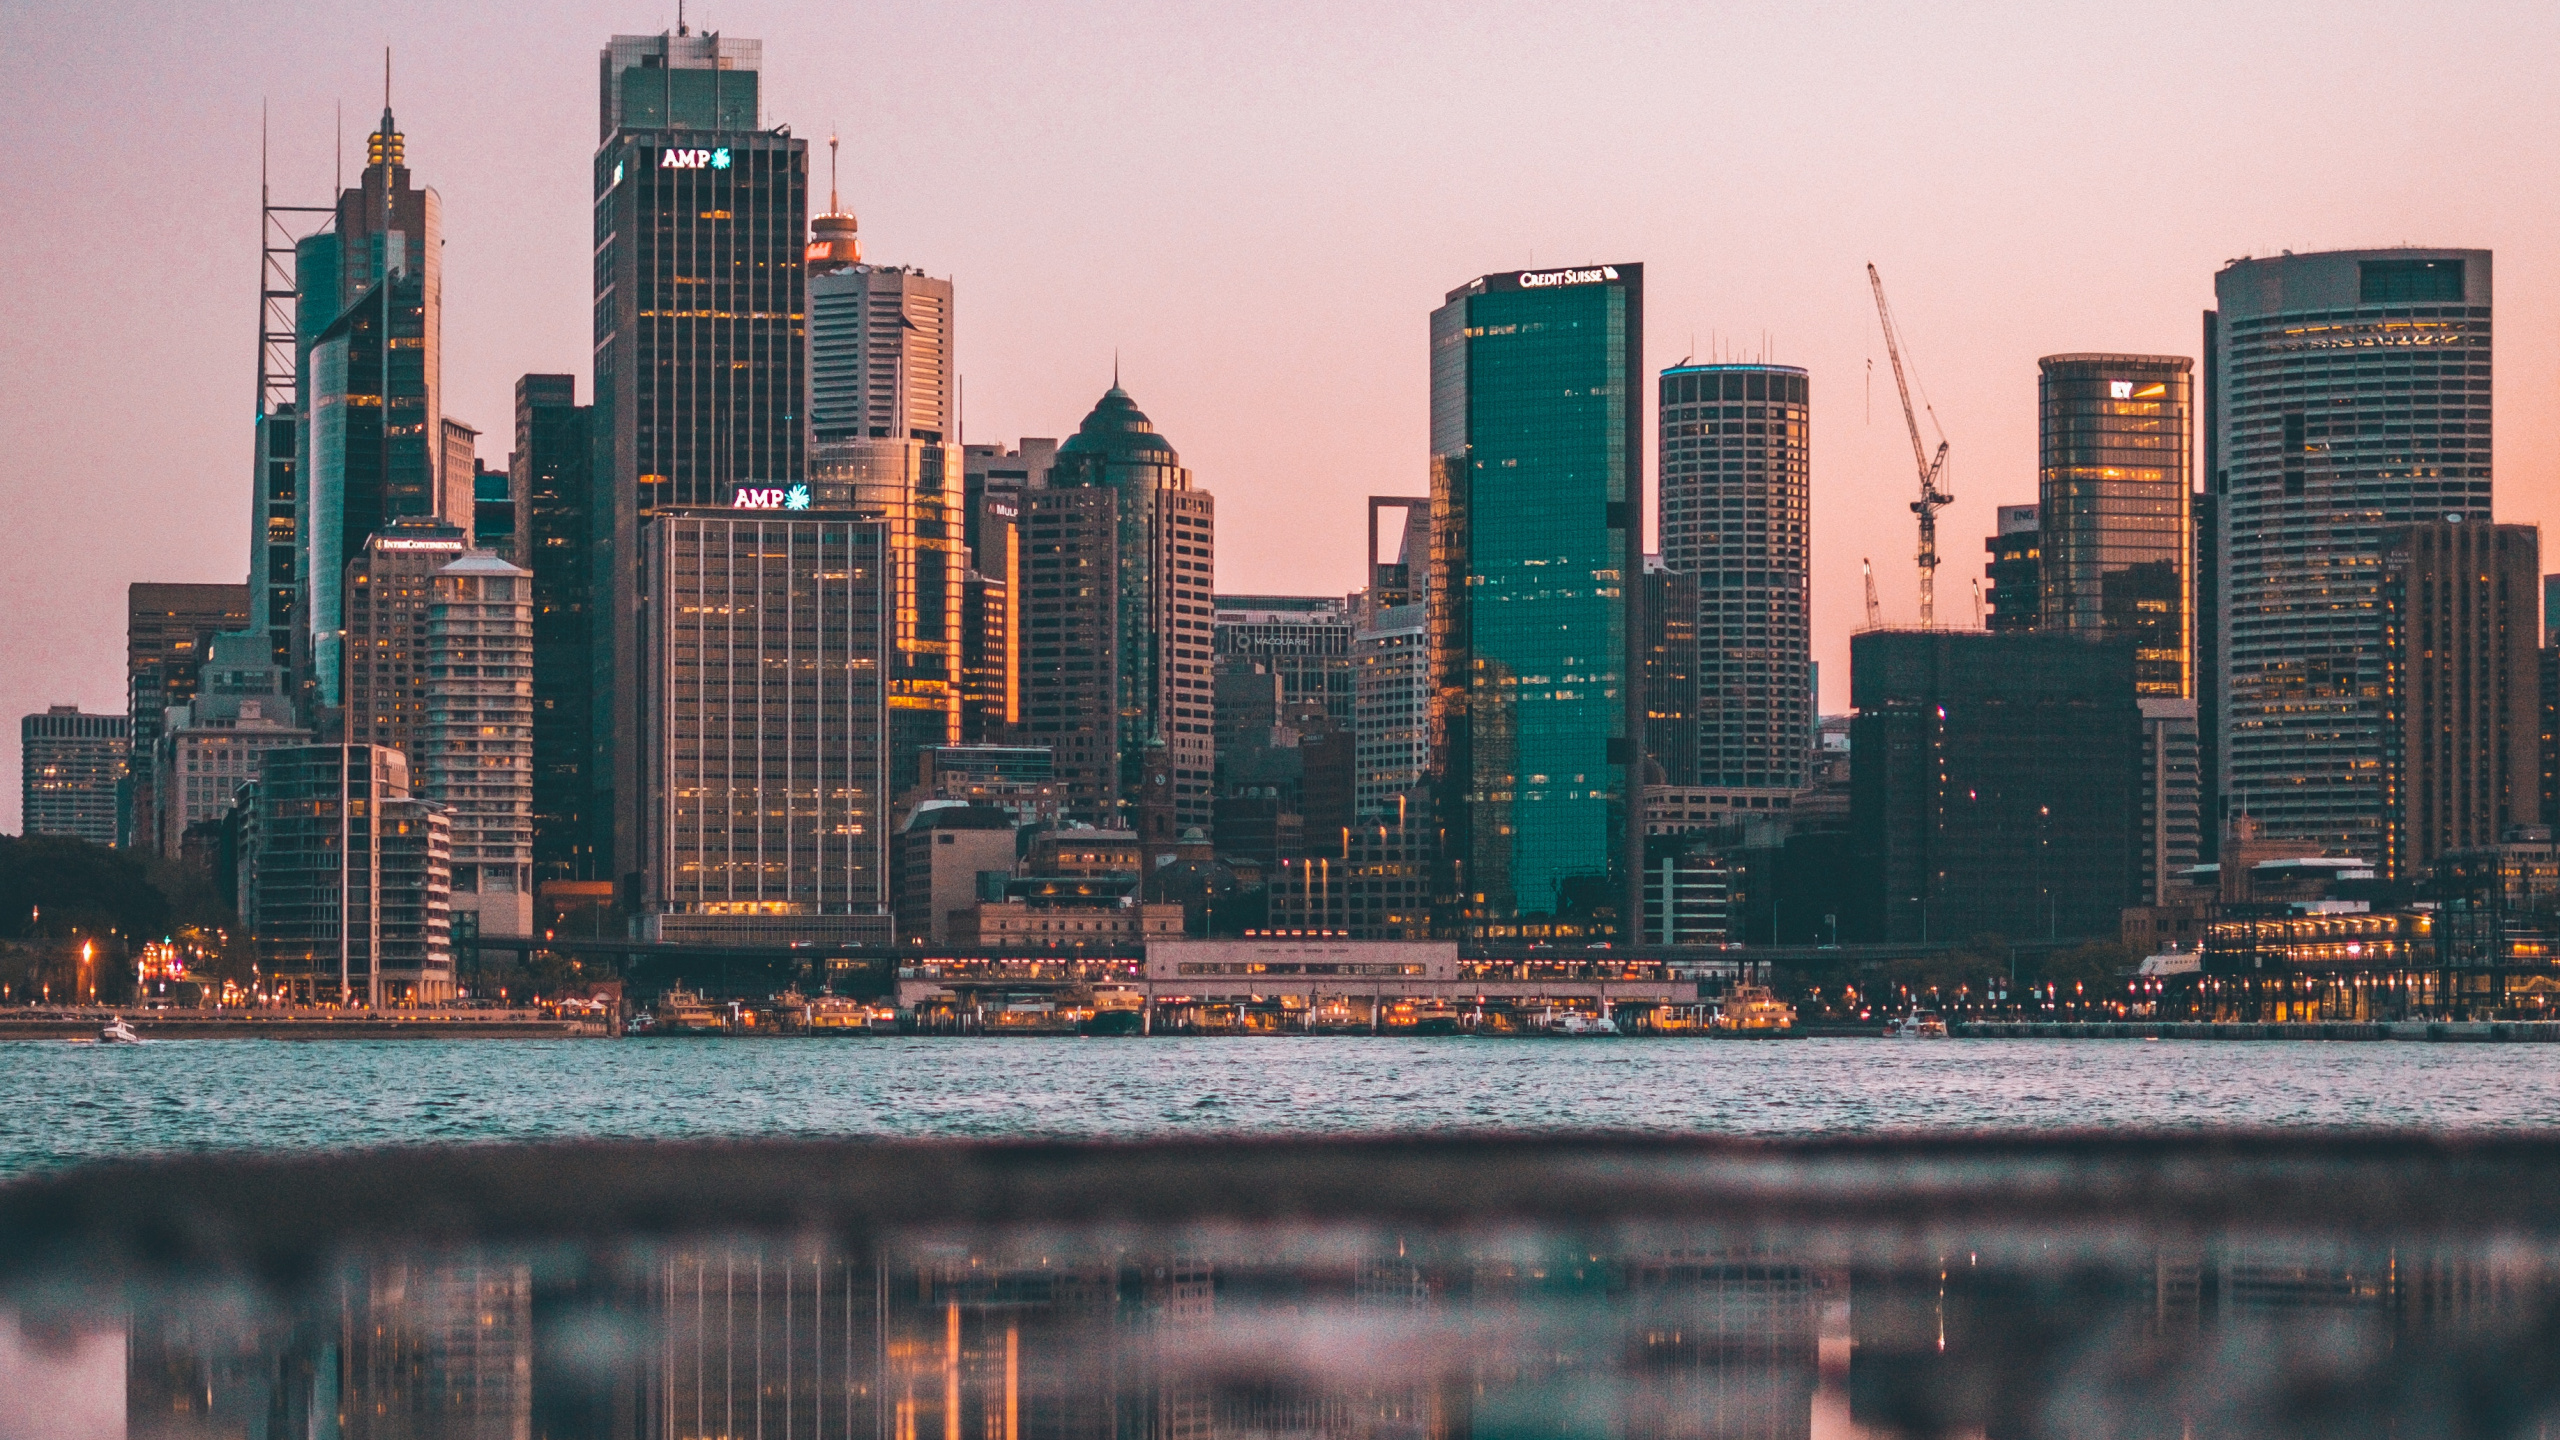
(61, 1103)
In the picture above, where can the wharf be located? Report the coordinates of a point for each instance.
(299, 1025)
(2441, 1031)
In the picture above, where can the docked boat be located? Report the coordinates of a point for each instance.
(837, 1015)
(685, 1012)
(1918, 1025)
(1117, 1010)
(117, 1032)
(1435, 1017)
(1751, 1012)
(1572, 1024)
(1339, 1015)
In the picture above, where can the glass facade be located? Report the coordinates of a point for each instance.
(701, 361)
(914, 486)
(1536, 530)
(1737, 517)
(2114, 499)
(2351, 400)
(552, 464)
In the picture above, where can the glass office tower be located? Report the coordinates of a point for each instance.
(2114, 516)
(1537, 533)
(701, 363)
(2351, 399)
(1737, 515)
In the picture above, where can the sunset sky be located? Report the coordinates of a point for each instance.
(1256, 207)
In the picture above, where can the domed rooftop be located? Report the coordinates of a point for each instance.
(835, 243)
(1117, 429)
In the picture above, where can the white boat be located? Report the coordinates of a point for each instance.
(1918, 1025)
(117, 1032)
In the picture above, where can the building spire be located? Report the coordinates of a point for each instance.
(834, 239)
(834, 205)
(384, 147)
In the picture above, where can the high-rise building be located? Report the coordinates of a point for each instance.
(370, 386)
(880, 363)
(497, 512)
(550, 467)
(2349, 397)
(1737, 517)
(766, 705)
(995, 479)
(701, 361)
(2212, 675)
(906, 483)
(2462, 699)
(390, 584)
(1997, 783)
(1672, 694)
(209, 747)
(1391, 692)
(1537, 536)
(1120, 561)
(168, 629)
(990, 660)
(71, 766)
(2170, 832)
(1305, 640)
(345, 881)
(2116, 542)
(474, 754)
(2016, 593)
(942, 852)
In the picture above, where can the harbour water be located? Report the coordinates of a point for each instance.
(61, 1104)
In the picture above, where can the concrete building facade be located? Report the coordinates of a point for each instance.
(71, 766)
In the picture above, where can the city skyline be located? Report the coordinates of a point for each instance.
(1205, 309)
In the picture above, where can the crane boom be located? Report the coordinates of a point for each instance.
(1875, 613)
(1930, 467)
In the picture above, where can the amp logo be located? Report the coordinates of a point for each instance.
(694, 159)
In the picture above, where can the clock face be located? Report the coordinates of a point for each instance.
(1159, 779)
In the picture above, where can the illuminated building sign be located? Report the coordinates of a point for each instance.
(453, 545)
(2119, 389)
(1542, 279)
(770, 497)
(694, 159)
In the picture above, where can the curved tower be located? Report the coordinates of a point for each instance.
(2347, 398)
(1118, 573)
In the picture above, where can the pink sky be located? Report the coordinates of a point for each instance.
(1257, 206)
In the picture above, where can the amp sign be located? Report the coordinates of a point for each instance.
(694, 159)
(770, 497)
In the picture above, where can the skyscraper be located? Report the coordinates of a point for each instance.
(1996, 785)
(346, 879)
(908, 484)
(2350, 398)
(207, 748)
(2115, 535)
(1737, 515)
(389, 586)
(1391, 690)
(70, 766)
(767, 641)
(1118, 576)
(168, 629)
(2016, 594)
(370, 386)
(1537, 534)
(1672, 694)
(474, 754)
(2462, 700)
(1305, 640)
(701, 366)
(552, 463)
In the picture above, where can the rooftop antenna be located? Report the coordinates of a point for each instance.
(833, 206)
(338, 142)
(680, 25)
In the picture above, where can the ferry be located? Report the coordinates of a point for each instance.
(685, 1012)
(1571, 1024)
(837, 1015)
(1435, 1017)
(1751, 1012)
(1117, 1010)
(1338, 1015)
(1918, 1025)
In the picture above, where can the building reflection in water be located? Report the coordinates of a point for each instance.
(1258, 1336)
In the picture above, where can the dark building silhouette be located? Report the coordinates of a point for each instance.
(168, 631)
(2462, 754)
(2017, 594)
(1997, 785)
(552, 466)
(1672, 685)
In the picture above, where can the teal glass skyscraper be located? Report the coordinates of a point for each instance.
(1537, 540)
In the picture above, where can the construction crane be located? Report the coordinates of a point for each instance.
(1977, 604)
(1875, 613)
(1931, 497)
